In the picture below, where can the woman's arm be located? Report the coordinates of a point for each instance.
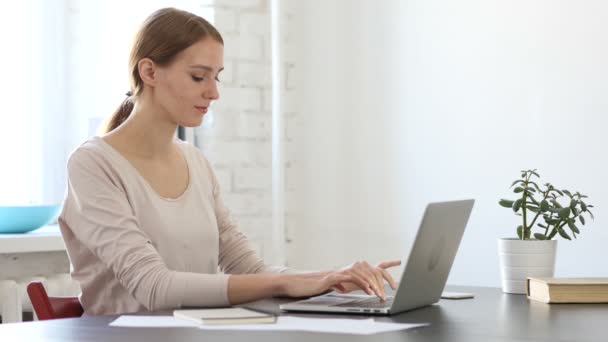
(359, 275)
(244, 288)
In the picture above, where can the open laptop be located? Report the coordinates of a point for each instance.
(426, 270)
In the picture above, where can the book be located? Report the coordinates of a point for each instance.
(568, 290)
(224, 316)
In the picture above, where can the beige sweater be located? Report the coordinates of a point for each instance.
(133, 250)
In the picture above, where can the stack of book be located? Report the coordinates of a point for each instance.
(568, 290)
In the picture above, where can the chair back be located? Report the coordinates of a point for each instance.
(52, 307)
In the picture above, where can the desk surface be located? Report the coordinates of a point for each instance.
(490, 316)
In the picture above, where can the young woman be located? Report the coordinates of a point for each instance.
(143, 220)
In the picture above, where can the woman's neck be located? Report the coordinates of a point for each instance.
(147, 133)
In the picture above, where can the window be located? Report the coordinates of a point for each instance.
(65, 70)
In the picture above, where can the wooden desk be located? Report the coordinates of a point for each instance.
(491, 316)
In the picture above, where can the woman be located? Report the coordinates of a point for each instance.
(143, 221)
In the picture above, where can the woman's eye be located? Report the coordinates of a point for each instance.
(197, 79)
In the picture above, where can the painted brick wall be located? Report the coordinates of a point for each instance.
(237, 137)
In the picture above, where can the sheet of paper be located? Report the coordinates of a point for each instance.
(326, 325)
(151, 322)
(284, 323)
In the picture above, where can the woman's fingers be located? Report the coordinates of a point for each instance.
(340, 287)
(380, 282)
(361, 280)
(371, 279)
(389, 264)
(388, 277)
(370, 276)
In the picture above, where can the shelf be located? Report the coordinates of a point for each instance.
(45, 239)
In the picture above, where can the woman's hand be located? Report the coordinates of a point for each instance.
(368, 278)
(359, 275)
(311, 284)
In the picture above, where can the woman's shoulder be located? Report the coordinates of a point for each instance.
(93, 153)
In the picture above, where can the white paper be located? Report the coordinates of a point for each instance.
(284, 323)
(151, 322)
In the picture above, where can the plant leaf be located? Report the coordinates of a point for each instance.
(567, 192)
(552, 234)
(519, 232)
(582, 219)
(540, 236)
(535, 185)
(518, 189)
(573, 227)
(573, 203)
(544, 205)
(564, 213)
(533, 209)
(517, 205)
(530, 189)
(563, 234)
(556, 203)
(517, 181)
(506, 203)
(583, 206)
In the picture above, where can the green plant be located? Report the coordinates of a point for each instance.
(536, 202)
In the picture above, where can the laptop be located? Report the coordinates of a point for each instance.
(425, 274)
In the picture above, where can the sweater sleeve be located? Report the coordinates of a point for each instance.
(98, 212)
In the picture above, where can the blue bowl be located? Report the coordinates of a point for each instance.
(22, 219)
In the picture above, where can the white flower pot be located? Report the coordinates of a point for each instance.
(520, 259)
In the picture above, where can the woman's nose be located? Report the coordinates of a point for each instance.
(212, 93)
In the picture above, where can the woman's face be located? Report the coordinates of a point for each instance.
(188, 84)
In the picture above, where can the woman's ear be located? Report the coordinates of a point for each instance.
(147, 71)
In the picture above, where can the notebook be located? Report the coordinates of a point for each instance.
(224, 316)
(568, 290)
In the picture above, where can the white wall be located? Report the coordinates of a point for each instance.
(236, 135)
(406, 102)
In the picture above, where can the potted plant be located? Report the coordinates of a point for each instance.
(549, 212)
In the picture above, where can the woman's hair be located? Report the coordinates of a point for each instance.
(163, 35)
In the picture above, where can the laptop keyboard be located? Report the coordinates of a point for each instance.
(369, 303)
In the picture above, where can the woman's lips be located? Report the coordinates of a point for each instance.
(201, 109)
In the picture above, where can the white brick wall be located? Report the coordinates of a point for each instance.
(240, 98)
(293, 120)
(242, 46)
(238, 141)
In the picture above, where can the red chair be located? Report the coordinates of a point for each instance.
(52, 307)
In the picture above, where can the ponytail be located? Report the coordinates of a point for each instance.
(121, 114)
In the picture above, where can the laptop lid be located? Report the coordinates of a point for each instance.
(432, 255)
